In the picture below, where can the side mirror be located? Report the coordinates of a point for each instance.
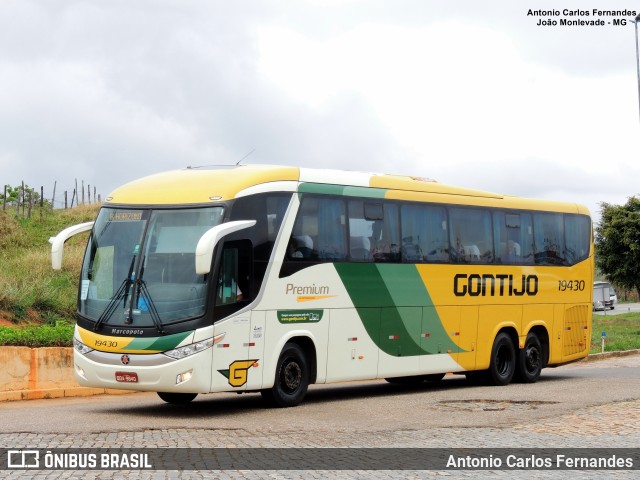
(208, 241)
(57, 242)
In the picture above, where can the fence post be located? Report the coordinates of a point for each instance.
(53, 197)
(30, 204)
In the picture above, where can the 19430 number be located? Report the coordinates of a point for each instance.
(571, 285)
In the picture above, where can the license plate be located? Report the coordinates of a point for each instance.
(127, 377)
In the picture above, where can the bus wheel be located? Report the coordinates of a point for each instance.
(177, 398)
(530, 359)
(503, 360)
(292, 378)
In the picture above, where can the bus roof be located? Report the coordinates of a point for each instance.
(204, 185)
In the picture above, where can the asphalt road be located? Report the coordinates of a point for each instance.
(620, 308)
(583, 405)
(362, 406)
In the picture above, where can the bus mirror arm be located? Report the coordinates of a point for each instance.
(208, 241)
(57, 242)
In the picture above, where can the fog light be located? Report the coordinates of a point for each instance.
(80, 372)
(184, 377)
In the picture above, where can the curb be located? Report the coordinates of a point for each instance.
(37, 373)
(46, 393)
(594, 357)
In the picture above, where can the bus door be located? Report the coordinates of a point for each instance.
(232, 361)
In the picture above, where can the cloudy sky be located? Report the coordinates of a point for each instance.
(469, 92)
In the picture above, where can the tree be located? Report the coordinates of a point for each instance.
(617, 242)
(17, 195)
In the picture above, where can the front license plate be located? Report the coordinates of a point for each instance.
(127, 377)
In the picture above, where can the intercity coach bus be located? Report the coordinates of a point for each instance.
(268, 279)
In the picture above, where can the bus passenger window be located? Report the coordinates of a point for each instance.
(577, 230)
(471, 235)
(424, 234)
(331, 229)
(300, 246)
(548, 231)
(512, 237)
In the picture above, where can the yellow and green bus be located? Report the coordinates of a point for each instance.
(267, 279)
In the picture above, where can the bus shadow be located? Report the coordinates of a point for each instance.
(224, 404)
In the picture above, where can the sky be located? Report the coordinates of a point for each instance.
(472, 93)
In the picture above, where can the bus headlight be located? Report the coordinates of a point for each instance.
(80, 347)
(189, 350)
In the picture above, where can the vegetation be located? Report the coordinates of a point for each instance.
(58, 335)
(31, 293)
(623, 332)
(21, 194)
(617, 246)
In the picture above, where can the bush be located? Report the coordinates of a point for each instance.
(58, 335)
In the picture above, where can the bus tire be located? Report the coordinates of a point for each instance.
(177, 398)
(530, 359)
(292, 378)
(503, 360)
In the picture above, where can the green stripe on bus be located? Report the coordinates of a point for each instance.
(159, 344)
(395, 307)
(321, 188)
(341, 190)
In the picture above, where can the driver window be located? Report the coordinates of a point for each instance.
(228, 291)
(233, 284)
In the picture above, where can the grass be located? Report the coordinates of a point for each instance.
(623, 332)
(31, 293)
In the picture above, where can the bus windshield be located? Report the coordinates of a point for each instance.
(139, 266)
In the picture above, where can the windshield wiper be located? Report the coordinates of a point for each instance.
(142, 288)
(112, 304)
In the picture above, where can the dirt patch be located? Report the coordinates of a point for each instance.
(493, 405)
(4, 319)
(32, 317)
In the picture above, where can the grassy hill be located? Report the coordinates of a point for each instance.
(30, 291)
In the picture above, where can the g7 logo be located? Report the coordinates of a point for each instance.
(238, 372)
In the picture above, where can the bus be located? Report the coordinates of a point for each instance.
(267, 279)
